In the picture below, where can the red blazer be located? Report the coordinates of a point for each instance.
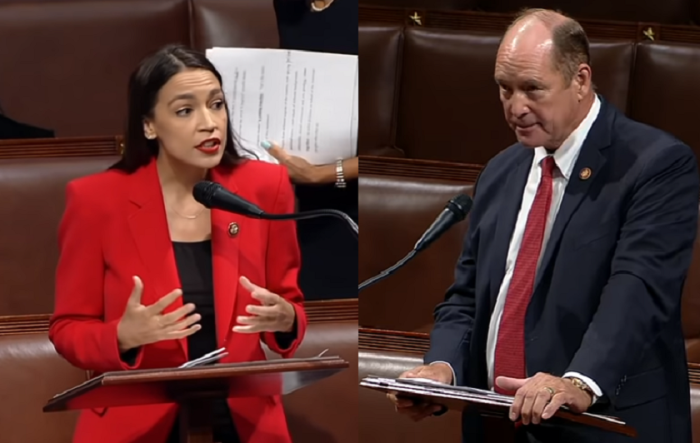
(115, 227)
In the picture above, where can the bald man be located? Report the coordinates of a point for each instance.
(568, 288)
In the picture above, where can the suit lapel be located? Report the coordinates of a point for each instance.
(579, 185)
(148, 224)
(225, 250)
(507, 215)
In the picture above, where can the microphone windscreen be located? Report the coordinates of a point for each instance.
(204, 191)
(460, 205)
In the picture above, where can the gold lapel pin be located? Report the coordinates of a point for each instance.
(585, 173)
(233, 229)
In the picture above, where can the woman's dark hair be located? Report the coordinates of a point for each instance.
(144, 85)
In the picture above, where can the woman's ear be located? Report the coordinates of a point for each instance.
(148, 130)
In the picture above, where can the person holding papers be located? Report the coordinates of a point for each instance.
(329, 250)
(149, 278)
(568, 288)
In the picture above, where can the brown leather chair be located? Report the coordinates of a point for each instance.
(395, 211)
(379, 49)
(432, 4)
(682, 12)
(430, 91)
(33, 193)
(88, 49)
(242, 23)
(30, 374)
(659, 90)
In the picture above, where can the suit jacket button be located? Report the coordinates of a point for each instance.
(233, 229)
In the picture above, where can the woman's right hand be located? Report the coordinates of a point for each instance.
(141, 325)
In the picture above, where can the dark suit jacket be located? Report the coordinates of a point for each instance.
(12, 130)
(607, 295)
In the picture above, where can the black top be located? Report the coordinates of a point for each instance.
(328, 247)
(194, 266)
(332, 30)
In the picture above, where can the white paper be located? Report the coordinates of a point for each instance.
(307, 102)
(466, 393)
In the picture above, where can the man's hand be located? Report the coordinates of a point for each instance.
(540, 396)
(418, 410)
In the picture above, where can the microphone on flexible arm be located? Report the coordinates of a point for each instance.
(455, 211)
(214, 196)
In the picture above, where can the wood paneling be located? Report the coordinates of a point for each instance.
(395, 341)
(61, 147)
(426, 169)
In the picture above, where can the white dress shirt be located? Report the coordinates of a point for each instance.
(564, 158)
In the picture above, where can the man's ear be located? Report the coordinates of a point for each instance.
(582, 81)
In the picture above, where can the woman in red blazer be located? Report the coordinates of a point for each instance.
(149, 278)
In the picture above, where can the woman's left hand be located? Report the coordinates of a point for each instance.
(275, 315)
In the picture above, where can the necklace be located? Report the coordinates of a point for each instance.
(189, 217)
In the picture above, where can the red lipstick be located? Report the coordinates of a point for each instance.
(209, 146)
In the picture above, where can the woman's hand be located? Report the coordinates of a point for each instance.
(302, 172)
(141, 325)
(275, 315)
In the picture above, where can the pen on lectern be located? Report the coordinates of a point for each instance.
(321, 354)
(206, 358)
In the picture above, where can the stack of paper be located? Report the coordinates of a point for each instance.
(431, 388)
(307, 102)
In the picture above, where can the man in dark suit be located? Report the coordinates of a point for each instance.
(13, 130)
(568, 289)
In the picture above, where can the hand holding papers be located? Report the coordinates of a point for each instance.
(486, 403)
(304, 101)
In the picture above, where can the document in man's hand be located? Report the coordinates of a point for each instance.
(307, 102)
(489, 403)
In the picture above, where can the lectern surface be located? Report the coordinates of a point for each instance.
(171, 385)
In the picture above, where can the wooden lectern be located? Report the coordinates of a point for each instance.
(498, 427)
(195, 388)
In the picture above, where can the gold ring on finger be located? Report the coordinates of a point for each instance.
(550, 390)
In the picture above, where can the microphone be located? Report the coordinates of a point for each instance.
(214, 196)
(455, 211)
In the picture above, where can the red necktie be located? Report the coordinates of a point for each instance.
(510, 344)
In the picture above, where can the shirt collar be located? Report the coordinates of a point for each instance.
(565, 157)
